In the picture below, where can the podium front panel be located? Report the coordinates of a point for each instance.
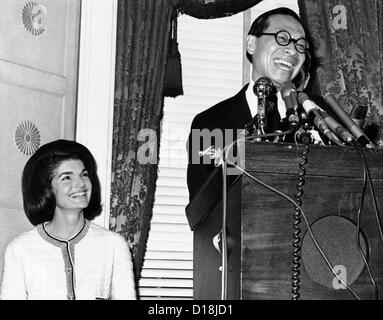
(261, 224)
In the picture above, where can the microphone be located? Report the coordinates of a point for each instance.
(358, 114)
(347, 121)
(302, 136)
(313, 111)
(337, 128)
(289, 96)
(263, 87)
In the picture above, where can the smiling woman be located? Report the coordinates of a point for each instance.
(65, 256)
(72, 189)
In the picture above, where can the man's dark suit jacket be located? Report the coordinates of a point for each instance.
(233, 113)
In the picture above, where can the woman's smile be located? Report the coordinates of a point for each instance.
(71, 186)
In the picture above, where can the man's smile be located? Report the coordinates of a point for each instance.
(284, 64)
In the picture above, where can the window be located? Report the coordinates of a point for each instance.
(211, 57)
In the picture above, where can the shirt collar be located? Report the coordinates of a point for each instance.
(252, 99)
(281, 106)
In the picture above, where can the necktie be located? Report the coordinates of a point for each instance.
(272, 115)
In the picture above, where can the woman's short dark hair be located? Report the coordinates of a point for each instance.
(38, 197)
(262, 22)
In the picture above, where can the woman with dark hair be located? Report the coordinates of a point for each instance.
(65, 256)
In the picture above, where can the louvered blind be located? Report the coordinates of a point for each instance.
(212, 70)
(211, 56)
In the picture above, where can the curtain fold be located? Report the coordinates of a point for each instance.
(348, 41)
(142, 40)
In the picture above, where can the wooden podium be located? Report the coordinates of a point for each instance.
(260, 225)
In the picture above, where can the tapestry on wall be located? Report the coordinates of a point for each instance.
(347, 36)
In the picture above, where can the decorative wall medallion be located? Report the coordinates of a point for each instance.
(34, 17)
(27, 138)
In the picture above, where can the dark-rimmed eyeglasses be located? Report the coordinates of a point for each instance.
(283, 38)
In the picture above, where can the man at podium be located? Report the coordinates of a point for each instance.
(278, 50)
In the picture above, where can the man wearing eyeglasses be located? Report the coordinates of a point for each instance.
(277, 47)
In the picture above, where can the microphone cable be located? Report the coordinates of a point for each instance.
(219, 157)
(376, 292)
(224, 250)
(337, 141)
(372, 190)
(296, 225)
(367, 178)
(267, 135)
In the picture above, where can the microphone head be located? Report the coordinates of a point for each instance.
(286, 88)
(263, 87)
(289, 95)
(347, 120)
(359, 112)
(302, 97)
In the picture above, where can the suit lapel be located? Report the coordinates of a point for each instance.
(272, 114)
(239, 112)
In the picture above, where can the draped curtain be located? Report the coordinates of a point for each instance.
(143, 28)
(142, 39)
(348, 41)
(208, 9)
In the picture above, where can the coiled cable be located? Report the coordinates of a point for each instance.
(296, 226)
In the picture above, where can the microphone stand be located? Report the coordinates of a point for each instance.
(262, 89)
(224, 285)
(261, 116)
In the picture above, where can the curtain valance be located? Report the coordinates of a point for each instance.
(210, 9)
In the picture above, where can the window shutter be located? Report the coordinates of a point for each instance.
(211, 57)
